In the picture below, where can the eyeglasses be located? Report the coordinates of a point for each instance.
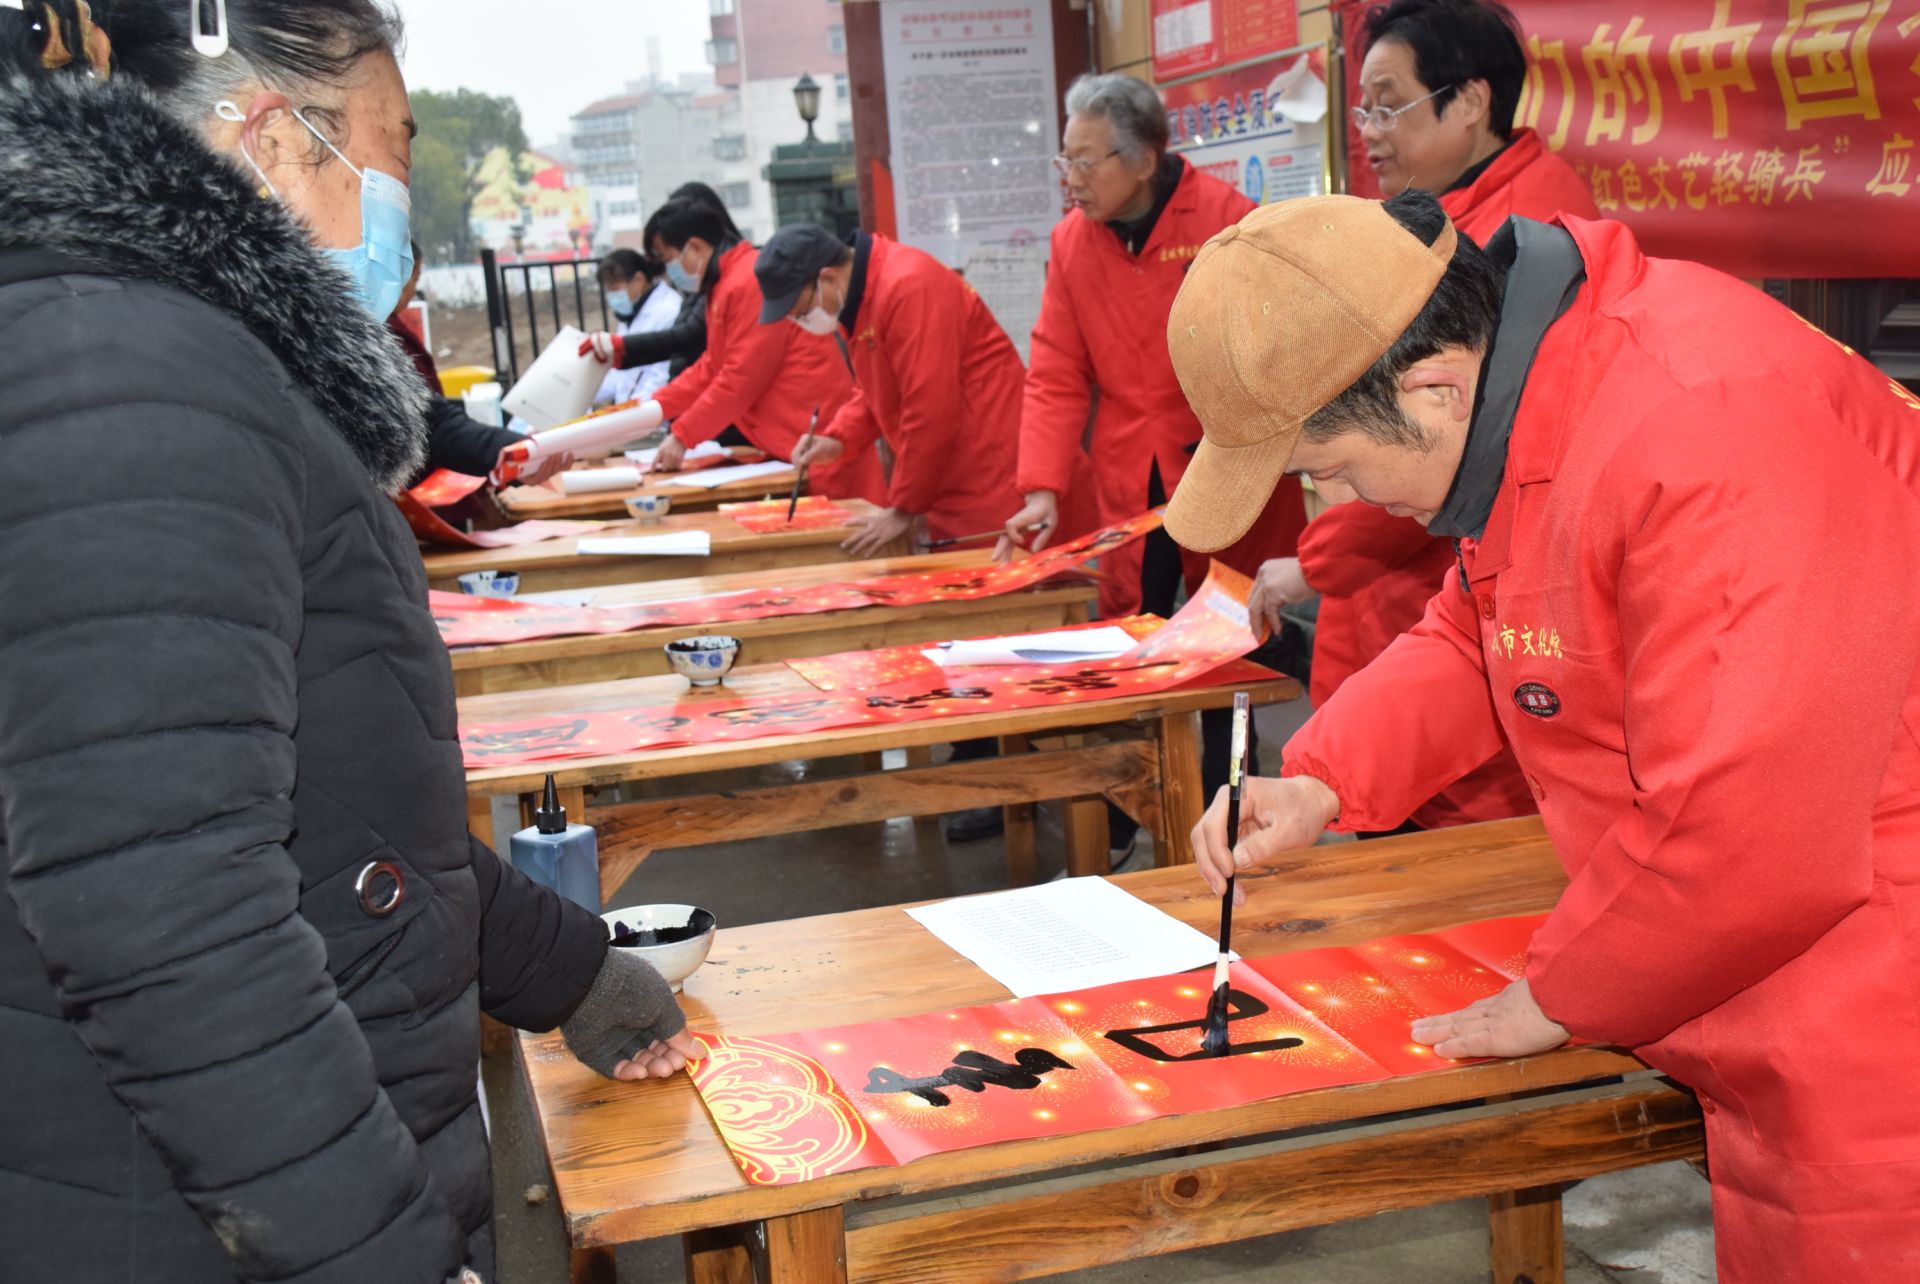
(1385, 118)
(1066, 166)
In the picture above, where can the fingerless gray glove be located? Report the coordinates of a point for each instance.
(629, 1008)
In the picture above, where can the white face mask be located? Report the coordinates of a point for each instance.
(818, 320)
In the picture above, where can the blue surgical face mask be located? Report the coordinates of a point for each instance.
(383, 261)
(680, 279)
(620, 305)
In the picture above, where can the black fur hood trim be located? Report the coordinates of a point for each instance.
(101, 174)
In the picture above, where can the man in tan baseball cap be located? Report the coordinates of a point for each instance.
(1658, 480)
(1280, 316)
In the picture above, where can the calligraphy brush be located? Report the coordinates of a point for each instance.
(800, 474)
(1215, 1041)
(981, 537)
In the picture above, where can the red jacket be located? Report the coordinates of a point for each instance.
(938, 378)
(1103, 327)
(1694, 615)
(767, 379)
(1524, 179)
(1375, 572)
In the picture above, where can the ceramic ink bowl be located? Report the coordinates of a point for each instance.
(649, 509)
(674, 939)
(490, 583)
(703, 661)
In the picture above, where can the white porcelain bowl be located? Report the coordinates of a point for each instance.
(649, 509)
(703, 661)
(490, 583)
(687, 931)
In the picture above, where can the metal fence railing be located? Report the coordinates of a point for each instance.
(515, 306)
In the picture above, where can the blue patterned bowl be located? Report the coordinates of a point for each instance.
(703, 661)
(490, 583)
(649, 509)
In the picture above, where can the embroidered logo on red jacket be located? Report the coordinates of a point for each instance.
(1536, 699)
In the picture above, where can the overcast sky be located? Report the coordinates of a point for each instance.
(554, 57)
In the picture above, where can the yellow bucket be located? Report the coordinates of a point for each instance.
(457, 379)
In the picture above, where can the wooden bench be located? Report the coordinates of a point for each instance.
(1140, 751)
(558, 563)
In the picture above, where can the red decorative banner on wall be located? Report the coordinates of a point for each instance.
(1766, 138)
(799, 1106)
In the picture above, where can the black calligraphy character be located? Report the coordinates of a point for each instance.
(972, 1072)
(763, 603)
(934, 696)
(526, 740)
(973, 585)
(1240, 1007)
(878, 595)
(1061, 684)
(774, 715)
(658, 722)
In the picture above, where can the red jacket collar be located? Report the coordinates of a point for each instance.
(1562, 379)
(1523, 150)
(1185, 200)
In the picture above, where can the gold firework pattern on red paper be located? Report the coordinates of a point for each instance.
(779, 1111)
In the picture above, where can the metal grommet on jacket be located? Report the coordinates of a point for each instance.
(380, 888)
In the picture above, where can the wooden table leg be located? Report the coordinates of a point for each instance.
(1085, 822)
(1019, 831)
(591, 1266)
(1181, 793)
(808, 1248)
(719, 1256)
(1528, 1242)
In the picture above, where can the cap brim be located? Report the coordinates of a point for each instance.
(772, 310)
(1225, 489)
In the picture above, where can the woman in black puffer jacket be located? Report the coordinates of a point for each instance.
(245, 939)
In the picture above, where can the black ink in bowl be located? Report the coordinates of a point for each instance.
(626, 937)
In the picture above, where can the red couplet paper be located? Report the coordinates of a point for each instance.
(443, 486)
(798, 1106)
(431, 528)
(769, 516)
(1203, 642)
(472, 621)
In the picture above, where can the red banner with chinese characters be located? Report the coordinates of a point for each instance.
(481, 621)
(799, 1106)
(1192, 36)
(1766, 138)
(1203, 641)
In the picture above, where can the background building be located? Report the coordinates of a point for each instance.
(634, 149)
(758, 50)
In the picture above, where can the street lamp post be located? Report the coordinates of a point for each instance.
(806, 96)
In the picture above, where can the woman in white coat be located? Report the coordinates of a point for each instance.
(642, 301)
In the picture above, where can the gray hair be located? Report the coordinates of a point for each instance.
(305, 49)
(1138, 117)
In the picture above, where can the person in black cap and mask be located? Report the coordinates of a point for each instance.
(934, 374)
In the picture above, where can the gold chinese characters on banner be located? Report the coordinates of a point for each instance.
(1767, 138)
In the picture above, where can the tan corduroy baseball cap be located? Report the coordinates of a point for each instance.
(1279, 315)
